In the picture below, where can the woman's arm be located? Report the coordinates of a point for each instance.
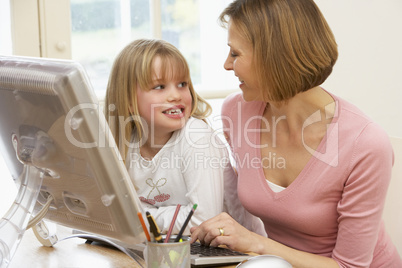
(363, 198)
(359, 211)
(238, 238)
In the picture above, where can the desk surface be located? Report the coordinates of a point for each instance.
(72, 252)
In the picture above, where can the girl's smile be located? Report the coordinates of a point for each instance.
(175, 112)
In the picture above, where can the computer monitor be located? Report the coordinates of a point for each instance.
(54, 136)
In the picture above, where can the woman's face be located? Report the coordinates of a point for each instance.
(240, 60)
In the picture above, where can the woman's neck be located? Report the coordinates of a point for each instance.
(302, 110)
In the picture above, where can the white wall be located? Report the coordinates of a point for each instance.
(369, 69)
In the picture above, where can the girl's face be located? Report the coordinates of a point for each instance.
(166, 105)
(240, 60)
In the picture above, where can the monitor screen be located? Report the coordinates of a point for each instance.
(53, 131)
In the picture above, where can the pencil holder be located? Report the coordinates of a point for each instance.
(169, 255)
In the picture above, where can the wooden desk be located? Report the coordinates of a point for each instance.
(72, 252)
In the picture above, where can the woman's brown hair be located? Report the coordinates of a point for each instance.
(294, 48)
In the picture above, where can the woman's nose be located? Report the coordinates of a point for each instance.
(228, 64)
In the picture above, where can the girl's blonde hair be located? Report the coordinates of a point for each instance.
(132, 69)
(294, 48)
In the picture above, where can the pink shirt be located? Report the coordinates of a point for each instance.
(333, 208)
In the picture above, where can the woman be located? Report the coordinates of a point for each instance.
(312, 166)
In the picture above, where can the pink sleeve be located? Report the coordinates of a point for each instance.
(361, 206)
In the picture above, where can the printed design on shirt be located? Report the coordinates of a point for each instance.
(160, 197)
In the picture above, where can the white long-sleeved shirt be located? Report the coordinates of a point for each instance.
(189, 169)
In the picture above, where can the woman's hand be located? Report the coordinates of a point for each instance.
(224, 230)
(238, 238)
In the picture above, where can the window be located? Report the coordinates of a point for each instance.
(8, 190)
(5, 29)
(100, 29)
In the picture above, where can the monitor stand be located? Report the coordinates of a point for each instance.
(15, 222)
(135, 252)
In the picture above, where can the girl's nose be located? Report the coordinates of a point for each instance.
(174, 93)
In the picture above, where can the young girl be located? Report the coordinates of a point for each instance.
(173, 156)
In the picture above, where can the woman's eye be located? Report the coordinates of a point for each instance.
(183, 84)
(233, 54)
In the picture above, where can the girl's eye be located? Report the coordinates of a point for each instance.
(159, 87)
(183, 84)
